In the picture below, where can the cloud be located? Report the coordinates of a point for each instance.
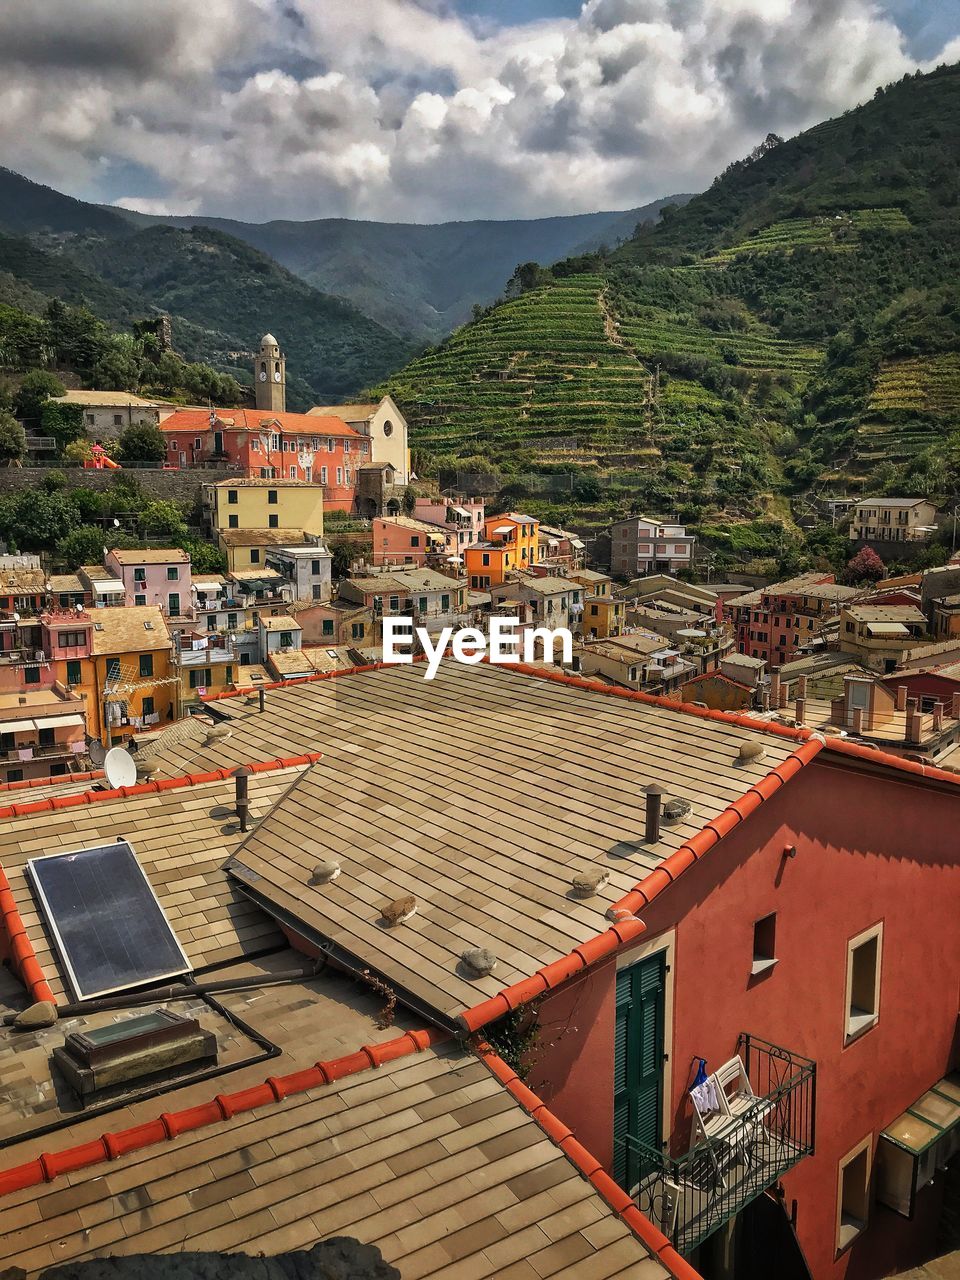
(405, 110)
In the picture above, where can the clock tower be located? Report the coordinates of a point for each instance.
(270, 375)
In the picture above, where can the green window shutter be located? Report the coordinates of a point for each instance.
(638, 1060)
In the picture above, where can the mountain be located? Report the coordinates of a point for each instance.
(793, 329)
(419, 280)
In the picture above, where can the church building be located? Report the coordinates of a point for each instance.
(330, 446)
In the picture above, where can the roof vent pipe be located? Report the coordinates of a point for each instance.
(242, 779)
(651, 832)
(262, 697)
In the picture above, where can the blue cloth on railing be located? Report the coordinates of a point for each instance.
(703, 1091)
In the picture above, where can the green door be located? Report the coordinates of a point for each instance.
(638, 1065)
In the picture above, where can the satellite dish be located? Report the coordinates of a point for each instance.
(120, 768)
(97, 752)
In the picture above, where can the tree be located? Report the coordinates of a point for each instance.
(341, 552)
(143, 442)
(64, 422)
(163, 520)
(36, 520)
(204, 556)
(865, 567)
(83, 545)
(35, 390)
(13, 440)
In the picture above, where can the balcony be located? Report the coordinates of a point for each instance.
(691, 1197)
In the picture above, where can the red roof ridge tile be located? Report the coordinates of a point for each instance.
(52, 780)
(589, 1166)
(170, 1124)
(875, 755)
(74, 799)
(16, 946)
(626, 927)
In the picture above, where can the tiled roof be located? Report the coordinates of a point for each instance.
(28, 582)
(151, 555)
(256, 482)
(304, 424)
(108, 400)
(181, 836)
(430, 1157)
(486, 868)
(262, 537)
(126, 630)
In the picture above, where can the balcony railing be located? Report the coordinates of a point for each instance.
(692, 1196)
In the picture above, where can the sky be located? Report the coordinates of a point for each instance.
(431, 110)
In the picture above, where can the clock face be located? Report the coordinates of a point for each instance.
(276, 377)
(263, 375)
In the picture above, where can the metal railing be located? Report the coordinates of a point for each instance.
(690, 1197)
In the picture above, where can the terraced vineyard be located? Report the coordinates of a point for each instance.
(540, 367)
(838, 231)
(924, 384)
(757, 348)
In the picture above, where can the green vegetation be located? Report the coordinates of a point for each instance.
(793, 331)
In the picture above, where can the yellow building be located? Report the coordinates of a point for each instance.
(247, 548)
(129, 682)
(603, 617)
(264, 504)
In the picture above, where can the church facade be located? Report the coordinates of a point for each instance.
(331, 446)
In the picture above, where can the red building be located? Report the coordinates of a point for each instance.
(261, 444)
(774, 622)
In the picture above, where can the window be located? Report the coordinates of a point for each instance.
(46, 737)
(330, 445)
(346, 474)
(444, 603)
(71, 639)
(211, 622)
(286, 639)
(233, 522)
(200, 678)
(118, 419)
(314, 567)
(232, 497)
(388, 428)
(16, 775)
(173, 573)
(198, 442)
(273, 520)
(323, 475)
(31, 675)
(146, 708)
(272, 497)
(173, 604)
(594, 611)
(394, 604)
(139, 574)
(853, 1194)
(764, 944)
(327, 627)
(231, 621)
(254, 555)
(146, 665)
(90, 419)
(485, 558)
(356, 630)
(74, 672)
(292, 473)
(254, 446)
(139, 599)
(414, 539)
(339, 475)
(228, 677)
(863, 982)
(422, 604)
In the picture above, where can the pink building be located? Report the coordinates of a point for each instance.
(156, 576)
(405, 540)
(462, 517)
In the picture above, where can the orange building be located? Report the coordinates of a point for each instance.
(510, 543)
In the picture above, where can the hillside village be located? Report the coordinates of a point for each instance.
(338, 941)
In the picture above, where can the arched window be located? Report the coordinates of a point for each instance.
(263, 366)
(276, 366)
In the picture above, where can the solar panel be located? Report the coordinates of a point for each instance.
(108, 925)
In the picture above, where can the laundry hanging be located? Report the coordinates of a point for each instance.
(704, 1091)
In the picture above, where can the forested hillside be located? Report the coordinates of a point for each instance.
(792, 330)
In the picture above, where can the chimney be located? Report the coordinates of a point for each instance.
(783, 695)
(901, 703)
(242, 778)
(914, 724)
(912, 704)
(262, 698)
(774, 688)
(937, 717)
(955, 706)
(800, 710)
(651, 833)
(802, 687)
(856, 721)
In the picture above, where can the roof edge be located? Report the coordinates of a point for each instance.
(74, 799)
(626, 927)
(588, 1165)
(52, 780)
(15, 941)
(170, 1124)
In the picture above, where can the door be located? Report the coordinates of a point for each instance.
(173, 604)
(638, 1065)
